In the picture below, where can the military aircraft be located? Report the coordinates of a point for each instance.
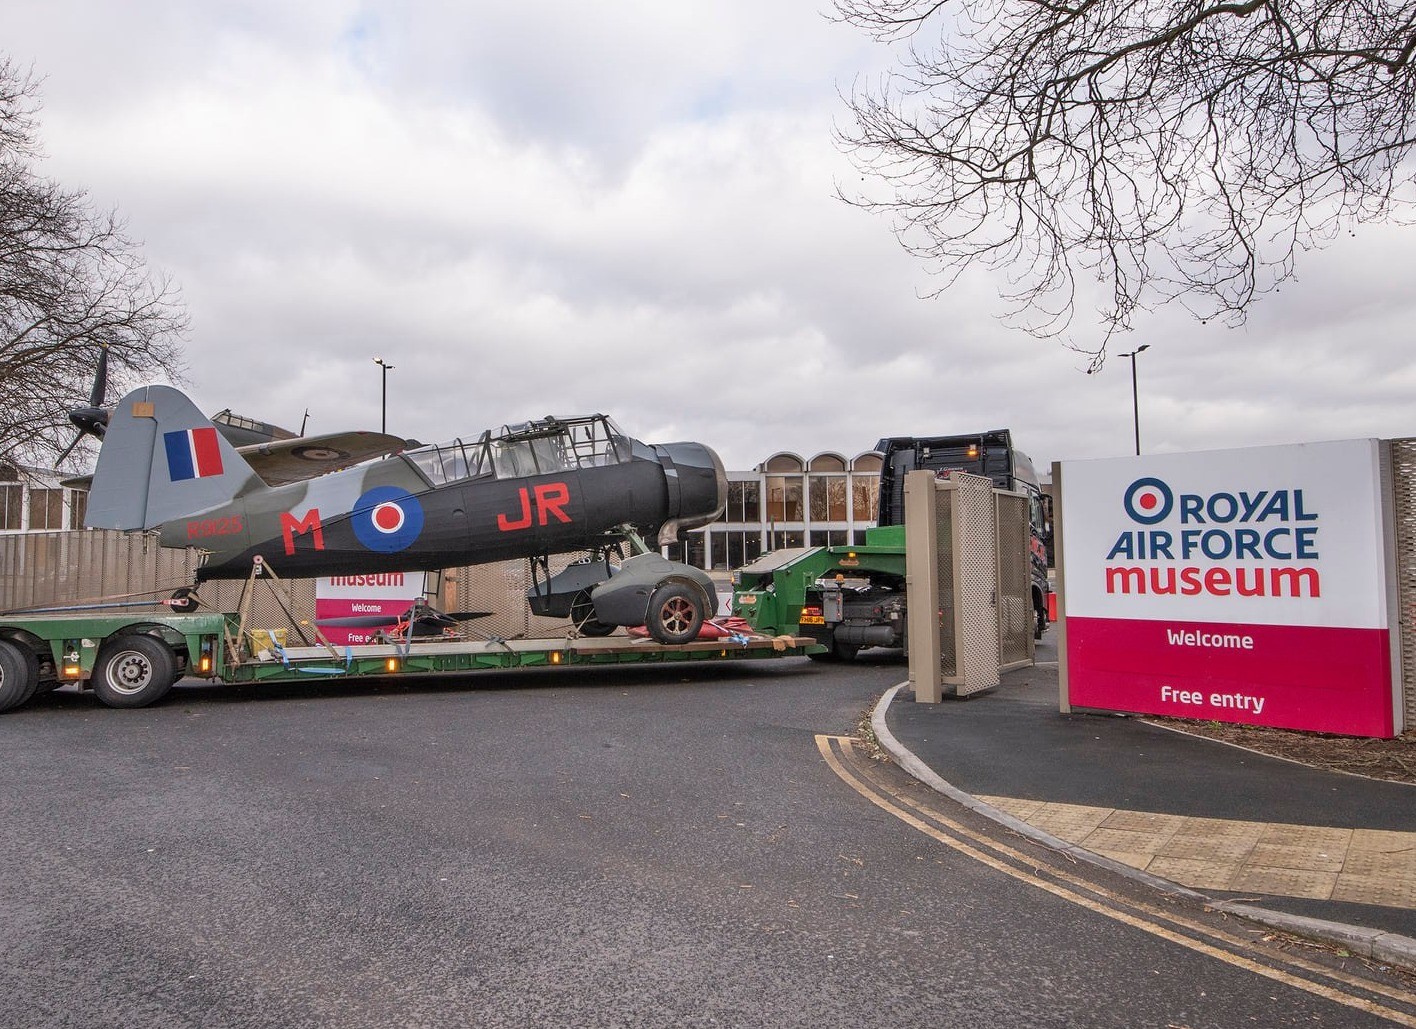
(277, 455)
(553, 486)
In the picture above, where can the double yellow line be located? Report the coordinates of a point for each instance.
(1193, 935)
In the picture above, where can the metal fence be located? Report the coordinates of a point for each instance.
(1401, 455)
(968, 554)
(57, 569)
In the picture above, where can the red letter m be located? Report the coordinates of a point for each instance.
(310, 523)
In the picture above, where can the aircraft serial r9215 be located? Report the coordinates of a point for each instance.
(555, 486)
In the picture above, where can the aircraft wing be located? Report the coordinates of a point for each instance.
(290, 460)
(302, 457)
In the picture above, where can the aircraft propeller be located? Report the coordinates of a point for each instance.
(422, 618)
(93, 419)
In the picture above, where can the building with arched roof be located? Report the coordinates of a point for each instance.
(788, 501)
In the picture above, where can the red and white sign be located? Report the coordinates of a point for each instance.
(388, 594)
(1238, 585)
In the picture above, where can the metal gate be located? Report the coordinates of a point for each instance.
(968, 560)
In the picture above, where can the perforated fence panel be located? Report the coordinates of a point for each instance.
(1403, 486)
(1015, 609)
(55, 569)
(51, 569)
(944, 575)
(58, 568)
(976, 584)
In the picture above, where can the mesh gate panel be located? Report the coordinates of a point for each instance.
(944, 541)
(43, 569)
(976, 584)
(1403, 466)
(1015, 609)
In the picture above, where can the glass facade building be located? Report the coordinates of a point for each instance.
(788, 501)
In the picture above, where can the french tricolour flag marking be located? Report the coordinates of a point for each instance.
(192, 454)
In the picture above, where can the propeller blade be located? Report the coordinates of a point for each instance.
(100, 380)
(360, 621)
(69, 449)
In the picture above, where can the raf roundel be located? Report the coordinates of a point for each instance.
(387, 519)
(1148, 500)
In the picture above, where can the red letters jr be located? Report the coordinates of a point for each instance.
(551, 498)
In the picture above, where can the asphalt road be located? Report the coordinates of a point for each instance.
(642, 847)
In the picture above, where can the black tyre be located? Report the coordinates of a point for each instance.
(582, 614)
(675, 613)
(836, 651)
(133, 671)
(184, 601)
(19, 674)
(1041, 623)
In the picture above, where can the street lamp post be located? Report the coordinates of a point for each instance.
(383, 407)
(1135, 395)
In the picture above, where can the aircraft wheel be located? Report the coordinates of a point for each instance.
(19, 674)
(675, 613)
(184, 601)
(133, 671)
(582, 614)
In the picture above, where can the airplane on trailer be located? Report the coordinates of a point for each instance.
(277, 455)
(553, 486)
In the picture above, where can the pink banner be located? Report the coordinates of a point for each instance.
(1322, 679)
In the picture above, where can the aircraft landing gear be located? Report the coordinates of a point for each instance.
(582, 616)
(675, 613)
(184, 601)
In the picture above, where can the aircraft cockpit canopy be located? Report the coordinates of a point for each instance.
(525, 449)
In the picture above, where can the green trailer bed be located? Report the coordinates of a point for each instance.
(131, 660)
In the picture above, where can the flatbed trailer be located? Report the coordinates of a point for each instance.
(132, 660)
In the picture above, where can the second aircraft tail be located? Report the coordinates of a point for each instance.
(162, 459)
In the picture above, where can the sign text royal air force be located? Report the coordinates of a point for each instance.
(1241, 585)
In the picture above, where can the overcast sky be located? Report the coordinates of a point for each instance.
(558, 208)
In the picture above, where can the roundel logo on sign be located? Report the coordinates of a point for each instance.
(1148, 500)
(387, 519)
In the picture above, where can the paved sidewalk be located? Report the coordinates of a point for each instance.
(1232, 824)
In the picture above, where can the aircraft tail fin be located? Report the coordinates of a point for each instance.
(162, 459)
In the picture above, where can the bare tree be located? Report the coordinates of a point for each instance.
(1171, 149)
(71, 282)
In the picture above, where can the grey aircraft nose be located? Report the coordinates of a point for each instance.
(698, 487)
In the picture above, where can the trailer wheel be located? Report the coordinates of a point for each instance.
(582, 614)
(675, 613)
(19, 674)
(133, 671)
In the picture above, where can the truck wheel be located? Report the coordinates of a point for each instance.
(675, 613)
(582, 614)
(133, 671)
(836, 651)
(19, 674)
(1041, 623)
